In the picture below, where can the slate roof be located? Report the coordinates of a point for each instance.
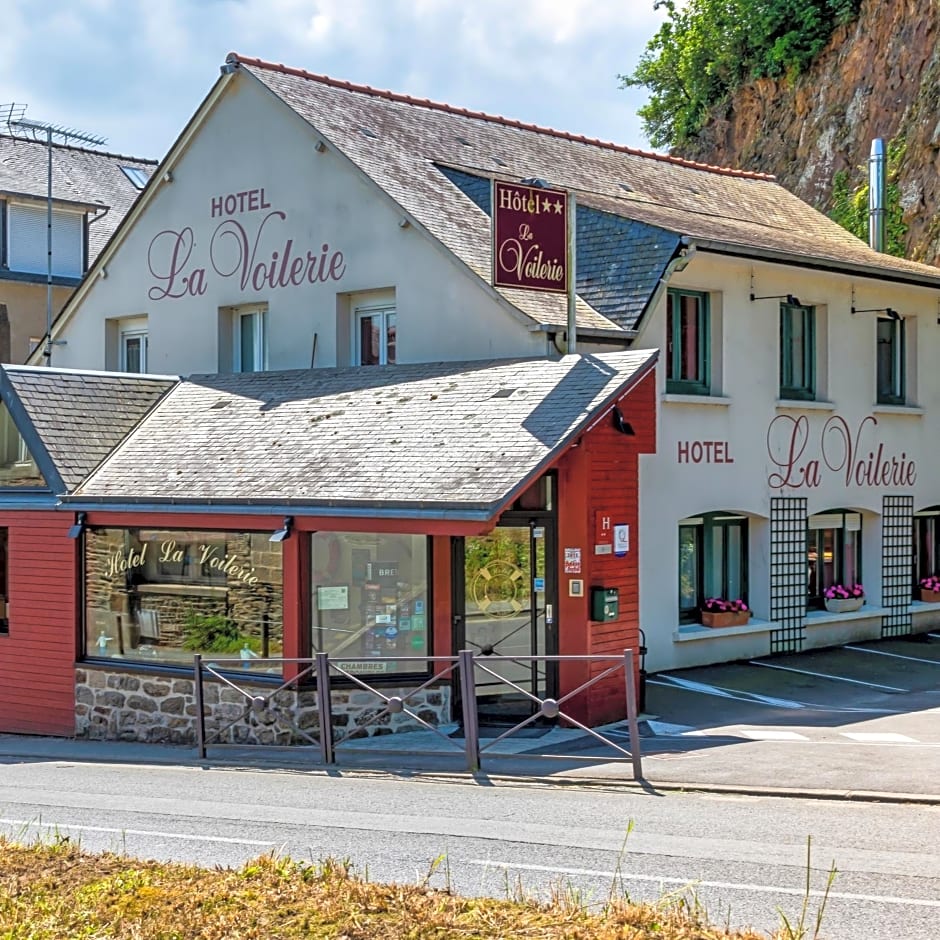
(413, 148)
(448, 440)
(80, 417)
(82, 176)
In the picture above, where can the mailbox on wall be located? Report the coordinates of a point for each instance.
(605, 603)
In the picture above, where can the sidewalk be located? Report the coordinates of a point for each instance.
(566, 757)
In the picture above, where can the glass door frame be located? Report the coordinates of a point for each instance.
(532, 520)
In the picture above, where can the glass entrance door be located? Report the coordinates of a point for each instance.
(503, 606)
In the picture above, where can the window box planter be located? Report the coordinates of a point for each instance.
(929, 597)
(843, 605)
(725, 618)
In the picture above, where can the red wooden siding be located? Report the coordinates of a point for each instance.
(37, 659)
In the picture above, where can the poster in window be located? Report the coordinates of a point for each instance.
(333, 597)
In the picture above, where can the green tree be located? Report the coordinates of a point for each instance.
(707, 49)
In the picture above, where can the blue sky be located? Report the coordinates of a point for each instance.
(134, 71)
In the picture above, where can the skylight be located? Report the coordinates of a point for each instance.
(136, 175)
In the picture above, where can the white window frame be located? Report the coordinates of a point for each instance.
(256, 314)
(387, 313)
(130, 330)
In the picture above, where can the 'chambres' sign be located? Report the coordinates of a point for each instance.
(530, 237)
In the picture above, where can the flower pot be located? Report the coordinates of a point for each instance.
(843, 605)
(929, 597)
(725, 618)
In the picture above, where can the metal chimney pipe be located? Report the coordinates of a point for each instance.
(877, 190)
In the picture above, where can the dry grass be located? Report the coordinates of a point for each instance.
(59, 891)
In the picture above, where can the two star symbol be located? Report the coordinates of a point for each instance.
(547, 205)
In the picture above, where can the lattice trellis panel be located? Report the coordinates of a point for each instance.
(787, 572)
(897, 552)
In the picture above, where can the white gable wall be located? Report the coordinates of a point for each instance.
(252, 184)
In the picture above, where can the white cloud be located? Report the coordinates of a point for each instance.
(135, 70)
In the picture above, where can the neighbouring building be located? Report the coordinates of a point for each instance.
(91, 191)
(781, 448)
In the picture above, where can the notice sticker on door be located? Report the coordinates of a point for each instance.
(572, 561)
(539, 584)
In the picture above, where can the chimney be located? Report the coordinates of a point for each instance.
(877, 188)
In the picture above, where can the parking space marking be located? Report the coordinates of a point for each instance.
(878, 737)
(913, 659)
(823, 675)
(705, 689)
(765, 734)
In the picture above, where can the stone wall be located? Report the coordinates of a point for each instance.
(118, 706)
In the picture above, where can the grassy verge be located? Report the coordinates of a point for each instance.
(58, 891)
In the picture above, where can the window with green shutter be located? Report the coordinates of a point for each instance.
(797, 352)
(687, 342)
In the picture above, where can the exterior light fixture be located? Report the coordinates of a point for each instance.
(76, 529)
(284, 531)
(787, 298)
(621, 423)
(889, 312)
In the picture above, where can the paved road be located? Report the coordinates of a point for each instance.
(743, 856)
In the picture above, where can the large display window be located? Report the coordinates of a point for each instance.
(370, 600)
(162, 595)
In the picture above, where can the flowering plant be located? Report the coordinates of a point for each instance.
(844, 591)
(718, 605)
(931, 584)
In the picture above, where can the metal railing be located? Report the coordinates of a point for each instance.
(260, 701)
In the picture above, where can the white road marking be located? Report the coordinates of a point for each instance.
(763, 734)
(823, 675)
(187, 837)
(913, 659)
(723, 693)
(694, 882)
(876, 736)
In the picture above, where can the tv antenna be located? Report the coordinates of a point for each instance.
(19, 126)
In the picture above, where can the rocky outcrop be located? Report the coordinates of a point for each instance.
(878, 77)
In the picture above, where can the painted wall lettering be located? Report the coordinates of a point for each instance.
(255, 252)
(120, 562)
(855, 455)
(704, 452)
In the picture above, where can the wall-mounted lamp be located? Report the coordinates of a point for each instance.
(76, 529)
(889, 312)
(284, 531)
(786, 298)
(621, 423)
(102, 272)
(168, 176)
(320, 146)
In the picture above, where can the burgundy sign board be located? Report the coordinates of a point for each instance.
(530, 237)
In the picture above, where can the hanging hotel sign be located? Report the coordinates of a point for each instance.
(530, 237)
(854, 454)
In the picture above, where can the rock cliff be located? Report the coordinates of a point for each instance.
(878, 77)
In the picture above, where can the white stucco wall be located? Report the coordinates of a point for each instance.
(296, 200)
(741, 415)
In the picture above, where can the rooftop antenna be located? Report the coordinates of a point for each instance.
(14, 116)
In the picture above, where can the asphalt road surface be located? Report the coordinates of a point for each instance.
(742, 857)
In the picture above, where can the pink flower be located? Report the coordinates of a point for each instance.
(931, 584)
(721, 605)
(843, 592)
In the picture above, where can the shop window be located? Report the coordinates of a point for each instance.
(926, 544)
(712, 561)
(4, 582)
(162, 595)
(890, 361)
(375, 336)
(17, 466)
(797, 352)
(834, 553)
(687, 342)
(370, 600)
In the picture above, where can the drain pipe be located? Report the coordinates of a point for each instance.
(877, 189)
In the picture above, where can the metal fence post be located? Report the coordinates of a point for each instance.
(632, 723)
(200, 714)
(468, 701)
(325, 707)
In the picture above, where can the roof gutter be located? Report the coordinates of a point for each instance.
(815, 264)
(680, 259)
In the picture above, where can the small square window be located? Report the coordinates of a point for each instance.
(375, 336)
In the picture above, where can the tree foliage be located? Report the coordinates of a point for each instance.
(708, 48)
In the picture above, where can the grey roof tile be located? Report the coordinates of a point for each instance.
(82, 416)
(392, 438)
